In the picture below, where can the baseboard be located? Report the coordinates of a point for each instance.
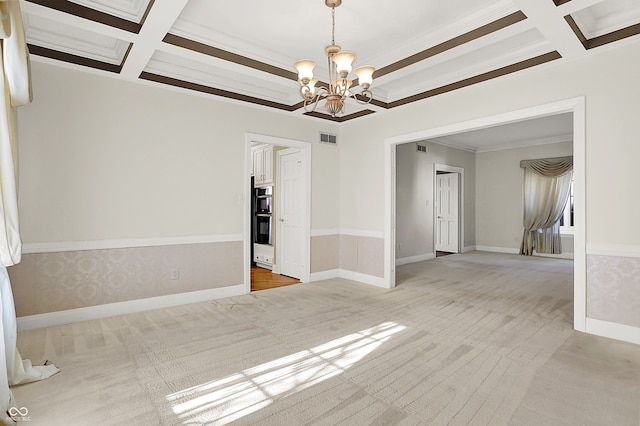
(50, 319)
(616, 250)
(363, 278)
(505, 250)
(325, 275)
(348, 275)
(509, 250)
(565, 255)
(414, 259)
(613, 330)
(467, 249)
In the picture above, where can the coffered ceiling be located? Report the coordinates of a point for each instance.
(245, 49)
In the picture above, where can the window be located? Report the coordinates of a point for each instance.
(566, 221)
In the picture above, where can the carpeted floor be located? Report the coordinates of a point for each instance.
(478, 338)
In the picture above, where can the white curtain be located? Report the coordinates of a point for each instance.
(547, 183)
(15, 90)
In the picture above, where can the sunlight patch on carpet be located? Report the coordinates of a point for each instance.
(225, 400)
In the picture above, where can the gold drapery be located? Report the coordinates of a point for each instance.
(547, 182)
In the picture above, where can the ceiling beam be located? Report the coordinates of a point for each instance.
(549, 20)
(158, 23)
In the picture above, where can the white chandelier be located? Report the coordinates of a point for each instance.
(337, 90)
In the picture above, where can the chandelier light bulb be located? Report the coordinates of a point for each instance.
(305, 70)
(343, 61)
(365, 76)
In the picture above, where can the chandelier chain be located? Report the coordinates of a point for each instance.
(333, 25)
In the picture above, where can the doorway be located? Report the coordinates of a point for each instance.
(576, 106)
(263, 277)
(449, 209)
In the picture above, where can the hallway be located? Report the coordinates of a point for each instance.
(262, 279)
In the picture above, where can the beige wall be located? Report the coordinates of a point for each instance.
(105, 159)
(499, 190)
(608, 81)
(415, 198)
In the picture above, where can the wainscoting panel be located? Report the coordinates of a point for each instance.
(325, 253)
(57, 281)
(348, 251)
(364, 255)
(613, 289)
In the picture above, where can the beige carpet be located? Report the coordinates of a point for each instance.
(479, 339)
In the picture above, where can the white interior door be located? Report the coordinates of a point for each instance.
(290, 236)
(447, 212)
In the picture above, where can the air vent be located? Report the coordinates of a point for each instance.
(421, 148)
(328, 138)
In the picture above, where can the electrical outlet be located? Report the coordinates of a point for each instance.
(175, 274)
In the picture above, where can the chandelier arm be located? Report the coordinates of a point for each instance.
(321, 93)
(366, 94)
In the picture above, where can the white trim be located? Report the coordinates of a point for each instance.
(616, 250)
(324, 232)
(613, 330)
(54, 247)
(510, 250)
(51, 319)
(505, 250)
(325, 275)
(362, 278)
(564, 255)
(573, 105)
(468, 249)
(347, 231)
(348, 275)
(415, 259)
(519, 144)
(361, 233)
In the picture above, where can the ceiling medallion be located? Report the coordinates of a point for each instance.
(336, 91)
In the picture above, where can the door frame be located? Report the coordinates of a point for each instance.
(305, 150)
(460, 171)
(573, 105)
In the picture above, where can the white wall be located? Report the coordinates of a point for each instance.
(105, 159)
(499, 191)
(415, 198)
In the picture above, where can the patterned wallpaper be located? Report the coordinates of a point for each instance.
(49, 282)
(613, 289)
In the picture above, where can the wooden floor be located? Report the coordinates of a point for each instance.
(262, 279)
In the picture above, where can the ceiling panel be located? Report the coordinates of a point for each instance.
(458, 67)
(245, 49)
(49, 34)
(225, 78)
(538, 131)
(131, 10)
(607, 17)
